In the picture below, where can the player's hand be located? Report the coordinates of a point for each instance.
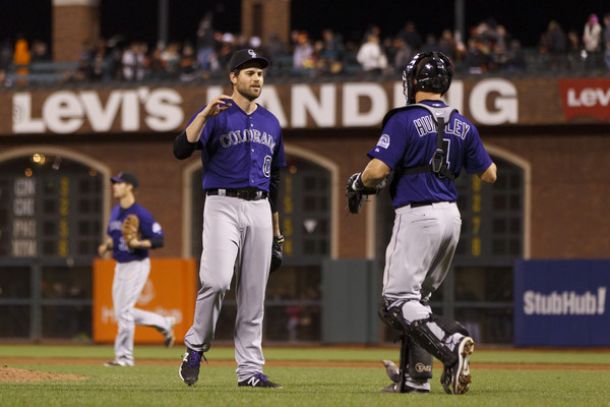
(217, 105)
(102, 249)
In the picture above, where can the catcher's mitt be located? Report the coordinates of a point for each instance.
(355, 192)
(130, 228)
(277, 253)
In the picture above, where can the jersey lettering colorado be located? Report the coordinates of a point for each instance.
(239, 150)
(149, 228)
(409, 140)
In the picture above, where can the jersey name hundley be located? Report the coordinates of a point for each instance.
(247, 135)
(425, 125)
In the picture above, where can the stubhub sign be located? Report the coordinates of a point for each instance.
(562, 303)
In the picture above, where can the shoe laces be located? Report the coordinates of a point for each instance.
(194, 358)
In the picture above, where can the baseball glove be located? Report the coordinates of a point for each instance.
(130, 228)
(277, 253)
(356, 191)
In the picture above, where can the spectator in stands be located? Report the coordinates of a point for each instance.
(188, 63)
(170, 57)
(478, 57)
(410, 36)
(370, 55)
(554, 40)
(22, 56)
(430, 44)
(128, 62)
(275, 47)
(331, 54)
(6, 55)
(84, 71)
(446, 44)
(607, 39)
(591, 39)
(302, 56)
(515, 61)
(40, 52)
(206, 52)
(553, 46)
(403, 55)
(592, 34)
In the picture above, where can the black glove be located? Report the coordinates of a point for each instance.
(277, 253)
(355, 191)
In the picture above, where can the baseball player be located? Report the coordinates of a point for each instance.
(425, 144)
(132, 231)
(242, 153)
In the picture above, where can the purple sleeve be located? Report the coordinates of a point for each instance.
(149, 228)
(391, 145)
(477, 158)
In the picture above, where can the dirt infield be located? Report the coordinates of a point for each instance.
(6, 361)
(13, 375)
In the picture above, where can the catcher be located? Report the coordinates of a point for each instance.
(425, 144)
(131, 232)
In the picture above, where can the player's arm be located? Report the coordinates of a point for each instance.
(105, 247)
(187, 141)
(375, 172)
(217, 105)
(152, 235)
(489, 175)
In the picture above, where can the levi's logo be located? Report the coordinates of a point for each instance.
(585, 98)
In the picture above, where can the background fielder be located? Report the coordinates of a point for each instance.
(426, 145)
(242, 152)
(132, 269)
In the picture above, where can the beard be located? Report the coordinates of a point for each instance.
(248, 93)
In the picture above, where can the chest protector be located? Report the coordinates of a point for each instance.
(438, 163)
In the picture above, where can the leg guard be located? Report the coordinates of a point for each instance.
(429, 336)
(420, 361)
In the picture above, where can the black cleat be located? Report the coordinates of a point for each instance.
(259, 380)
(189, 369)
(395, 388)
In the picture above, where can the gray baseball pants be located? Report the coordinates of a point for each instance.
(237, 237)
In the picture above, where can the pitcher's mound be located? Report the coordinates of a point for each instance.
(11, 374)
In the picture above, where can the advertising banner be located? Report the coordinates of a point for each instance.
(562, 303)
(169, 291)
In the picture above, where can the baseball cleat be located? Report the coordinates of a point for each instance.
(259, 380)
(456, 379)
(395, 388)
(118, 363)
(189, 369)
(392, 370)
(169, 339)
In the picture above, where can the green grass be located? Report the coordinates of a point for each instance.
(159, 385)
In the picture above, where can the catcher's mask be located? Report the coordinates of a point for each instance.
(429, 72)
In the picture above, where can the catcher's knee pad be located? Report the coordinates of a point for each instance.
(392, 317)
(419, 361)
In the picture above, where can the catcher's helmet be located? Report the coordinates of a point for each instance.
(429, 72)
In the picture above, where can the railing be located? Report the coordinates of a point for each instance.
(532, 63)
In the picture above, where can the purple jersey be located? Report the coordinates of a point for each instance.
(239, 149)
(409, 140)
(148, 229)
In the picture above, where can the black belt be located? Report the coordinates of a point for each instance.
(249, 194)
(418, 204)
